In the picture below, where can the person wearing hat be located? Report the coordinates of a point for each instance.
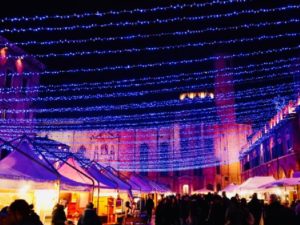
(89, 216)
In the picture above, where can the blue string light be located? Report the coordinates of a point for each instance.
(75, 123)
(117, 13)
(281, 88)
(158, 80)
(82, 122)
(157, 48)
(159, 64)
(163, 34)
(150, 22)
(258, 105)
(123, 107)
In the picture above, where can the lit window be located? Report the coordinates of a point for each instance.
(185, 189)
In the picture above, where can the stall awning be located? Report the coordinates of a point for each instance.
(284, 182)
(256, 182)
(73, 171)
(122, 185)
(231, 188)
(23, 164)
(99, 176)
(141, 182)
(39, 170)
(158, 187)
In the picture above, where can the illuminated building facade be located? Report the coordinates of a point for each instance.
(185, 156)
(275, 149)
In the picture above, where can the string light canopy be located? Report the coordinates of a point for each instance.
(191, 64)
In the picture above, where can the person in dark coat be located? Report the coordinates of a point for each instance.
(89, 216)
(58, 215)
(149, 208)
(3, 215)
(277, 214)
(236, 214)
(255, 207)
(20, 213)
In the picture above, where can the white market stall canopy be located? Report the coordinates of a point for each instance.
(284, 182)
(254, 183)
(231, 188)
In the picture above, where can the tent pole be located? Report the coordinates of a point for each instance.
(59, 186)
(98, 197)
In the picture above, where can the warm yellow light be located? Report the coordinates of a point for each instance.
(19, 65)
(46, 199)
(211, 95)
(23, 190)
(107, 193)
(3, 57)
(278, 192)
(202, 94)
(182, 96)
(185, 189)
(191, 95)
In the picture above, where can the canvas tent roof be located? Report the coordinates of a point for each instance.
(75, 172)
(158, 187)
(122, 185)
(256, 182)
(99, 176)
(15, 167)
(282, 182)
(142, 182)
(231, 188)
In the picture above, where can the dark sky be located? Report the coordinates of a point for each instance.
(269, 85)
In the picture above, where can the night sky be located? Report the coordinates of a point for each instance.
(246, 89)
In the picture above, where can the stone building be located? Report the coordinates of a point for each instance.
(185, 156)
(275, 149)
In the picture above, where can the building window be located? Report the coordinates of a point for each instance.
(267, 155)
(219, 187)
(246, 166)
(274, 152)
(261, 153)
(8, 80)
(209, 144)
(289, 145)
(288, 141)
(3, 114)
(163, 158)
(144, 151)
(24, 86)
(184, 148)
(27, 115)
(198, 172)
(81, 151)
(218, 169)
(96, 156)
(279, 150)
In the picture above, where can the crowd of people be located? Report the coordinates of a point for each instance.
(210, 209)
(21, 213)
(213, 209)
